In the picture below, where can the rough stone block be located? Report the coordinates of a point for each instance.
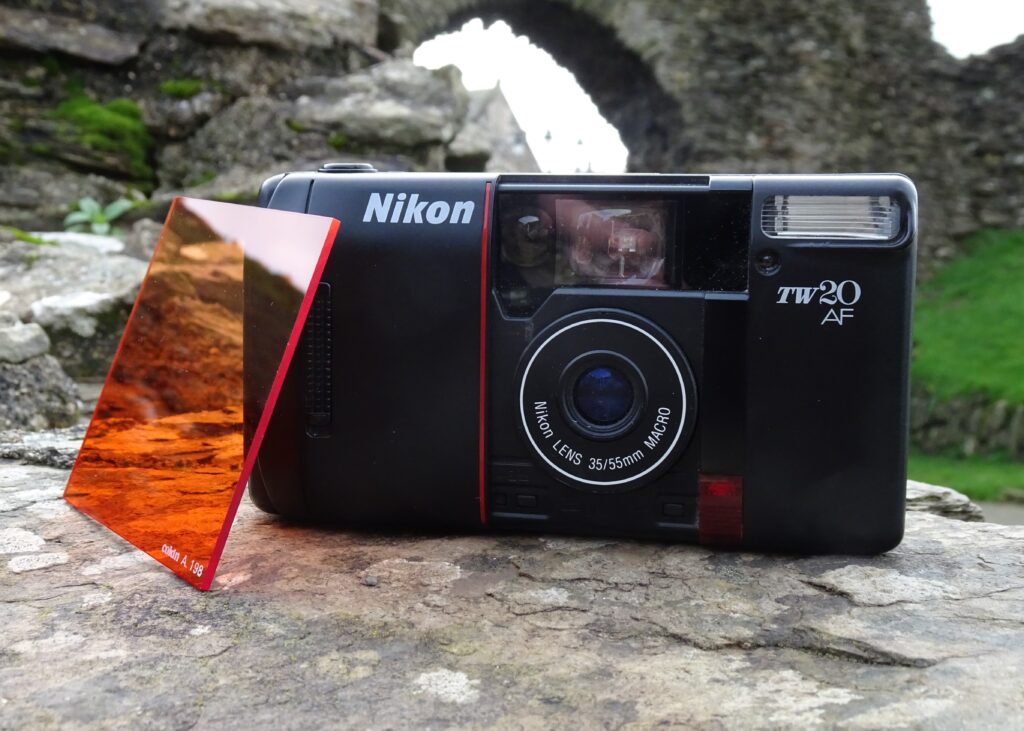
(499, 631)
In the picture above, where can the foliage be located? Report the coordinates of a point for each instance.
(979, 477)
(969, 321)
(92, 215)
(114, 127)
(181, 88)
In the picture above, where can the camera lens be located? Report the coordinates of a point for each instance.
(607, 418)
(603, 395)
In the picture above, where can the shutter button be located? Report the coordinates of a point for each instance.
(347, 167)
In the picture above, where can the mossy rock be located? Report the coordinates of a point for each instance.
(181, 88)
(112, 129)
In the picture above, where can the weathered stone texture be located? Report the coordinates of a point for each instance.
(991, 100)
(292, 25)
(491, 138)
(37, 394)
(783, 87)
(308, 628)
(78, 290)
(925, 498)
(743, 85)
(44, 32)
(966, 425)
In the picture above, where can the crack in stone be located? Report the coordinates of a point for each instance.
(848, 596)
(29, 600)
(807, 641)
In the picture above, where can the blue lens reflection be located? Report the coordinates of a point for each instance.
(603, 395)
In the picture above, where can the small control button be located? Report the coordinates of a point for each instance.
(526, 501)
(347, 167)
(673, 510)
(318, 419)
(515, 473)
(500, 499)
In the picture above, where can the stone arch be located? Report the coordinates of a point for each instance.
(621, 83)
(754, 86)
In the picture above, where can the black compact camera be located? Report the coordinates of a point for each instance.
(720, 359)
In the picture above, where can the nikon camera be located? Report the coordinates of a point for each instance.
(720, 359)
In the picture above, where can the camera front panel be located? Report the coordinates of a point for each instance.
(721, 359)
(598, 350)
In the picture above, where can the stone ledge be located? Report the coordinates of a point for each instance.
(43, 32)
(410, 630)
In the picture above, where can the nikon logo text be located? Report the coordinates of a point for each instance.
(390, 207)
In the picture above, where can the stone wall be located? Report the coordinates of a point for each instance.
(991, 103)
(205, 97)
(228, 90)
(784, 86)
(966, 425)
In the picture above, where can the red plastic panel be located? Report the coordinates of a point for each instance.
(171, 445)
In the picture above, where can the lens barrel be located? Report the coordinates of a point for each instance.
(605, 419)
(601, 394)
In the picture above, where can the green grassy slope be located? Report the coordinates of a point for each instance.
(980, 478)
(969, 338)
(969, 321)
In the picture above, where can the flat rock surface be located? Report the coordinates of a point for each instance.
(43, 32)
(307, 628)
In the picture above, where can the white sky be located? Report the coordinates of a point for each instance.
(546, 98)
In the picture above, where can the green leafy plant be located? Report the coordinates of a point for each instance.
(91, 215)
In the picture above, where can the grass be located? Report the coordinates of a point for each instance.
(115, 127)
(969, 321)
(980, 478)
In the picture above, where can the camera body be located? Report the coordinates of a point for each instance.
(719, 359)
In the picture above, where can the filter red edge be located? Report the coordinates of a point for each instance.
(268, 410)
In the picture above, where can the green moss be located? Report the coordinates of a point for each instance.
(980, 478)
(337, 140)
(114, 127)
(181, 88)
(41, 148)
(52, 64)
(201, 178)
(295, 125)
(967, 321)
(234, 196)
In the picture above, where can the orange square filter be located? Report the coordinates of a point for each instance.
(180, 420)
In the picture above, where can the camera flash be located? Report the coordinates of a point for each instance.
(873, 218)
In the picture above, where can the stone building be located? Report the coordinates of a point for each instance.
(223, 91)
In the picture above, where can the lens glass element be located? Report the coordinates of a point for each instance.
(603, 395)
